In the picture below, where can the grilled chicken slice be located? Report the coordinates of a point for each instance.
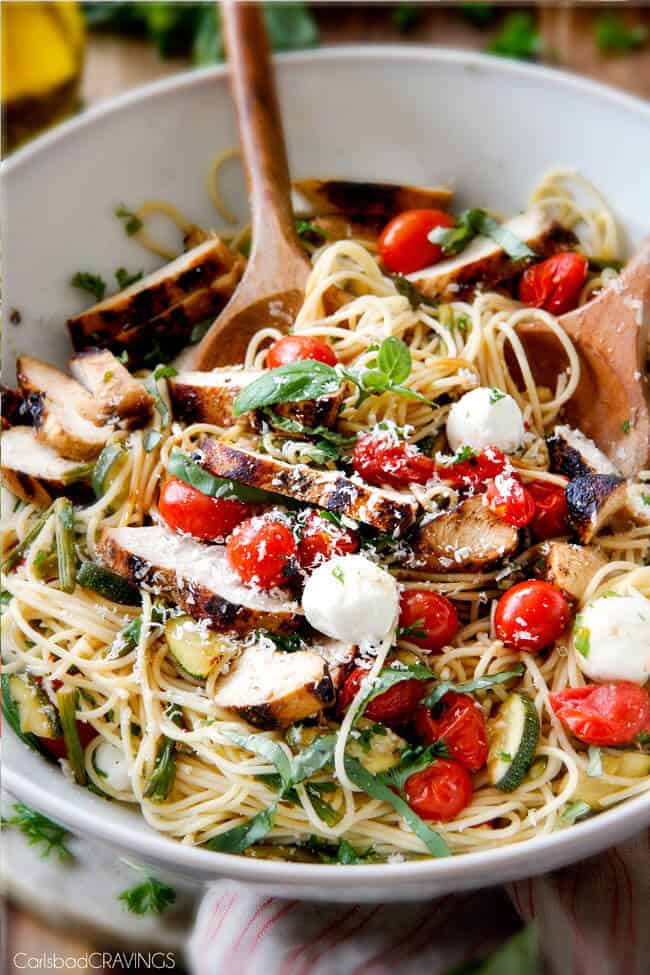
(15, 411)
(157, 293)
(197, 577)
(637, 504)
(367, 200)
(593, 500)
(573, 454)
(484, 263)
(33, 471)
(208, 397)
(63, 429)
(388, 511)
(338, 656)
(467, 538)
(570, 567)
(271, 689)
(38, 378)
(113, 388)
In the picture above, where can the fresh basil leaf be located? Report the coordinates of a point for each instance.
(394, 359)
(412, 760)
(165, 372)
(347, 854)
(409, 393)
(296, 381)
(454, 239)
(239, 838)
(643, 741)
(151, 440)
(313, 758)
(187, 470)
(471, 686)
(472, 223)
(511, 244)
(323, 809)
(377, 789)
(151, 385)
(389, 676)
(408, 290)
(266, 748)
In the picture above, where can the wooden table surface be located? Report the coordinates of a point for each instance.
(115, 65)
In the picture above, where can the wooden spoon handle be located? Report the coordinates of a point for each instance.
(260, 125)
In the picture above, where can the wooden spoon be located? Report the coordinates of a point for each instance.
(611, 403)
(272, 289)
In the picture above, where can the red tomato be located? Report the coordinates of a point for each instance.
(394, 707)
(531, 616)
(321, 540)
(440, 791)
(476, 470)
(461, 725)
(551, 517)
(262, 551)
(379, 461)
(187, 510)
(56, 746)
(292, 348)
(404, 245)
(432, 618)
(509, 500)
(604, 714)
(554, 284)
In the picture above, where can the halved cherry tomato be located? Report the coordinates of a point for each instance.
(380, 461)
(262, 551)
(404, 245)
(551, 517)
(56, 746)
(604, 714)
(475, 470)
(509, 500)
(531, 616)
(187, 510)
(431, 618)
(440, 791)
(460, 724)
(321, 540)
(394, 707)
(554, 284)
(293, 348)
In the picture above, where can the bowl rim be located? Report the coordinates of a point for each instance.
(493, 864)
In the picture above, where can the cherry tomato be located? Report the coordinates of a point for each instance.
(604, 714)
(404, 245)
(509, 500)
(551, 517)
(475, 470)
(461, 725)
(262, 551)
(431, 618)
(57, 747)
(187, 510)
(394, 707)
(440, 791)
(554, 284)
(531, 616)
(379, 461)
(321, 540)
(292, 348)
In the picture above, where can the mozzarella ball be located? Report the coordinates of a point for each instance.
(349, 598)
(485, 417)
(612, 639)
(111, 762)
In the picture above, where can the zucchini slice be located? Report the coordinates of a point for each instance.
(108, 584)
(195, 650)
(107, 467)
(34, 711)
(514, 734)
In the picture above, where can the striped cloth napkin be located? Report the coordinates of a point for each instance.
(593, 919)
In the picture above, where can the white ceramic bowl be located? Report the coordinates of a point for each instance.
(487, 126)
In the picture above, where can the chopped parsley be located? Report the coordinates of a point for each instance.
(132, 222)
(41, 831)
(625, 426)
(287, 643)
(309, 232)
(505, 756)
(496, 395)
(645, 498)
(149, 897)
(92, 283)
(165, 372)
(5, 598)
(124, 279)
(415, 629)
(614, 36)
(518, 38)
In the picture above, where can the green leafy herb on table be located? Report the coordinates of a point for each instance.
(41, 831)
(124, 279)
(517, 38)
(132, 222)
(519, 955)
(92, 283)
(614, 36)
(149, 897)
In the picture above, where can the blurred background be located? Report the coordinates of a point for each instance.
(61, 58)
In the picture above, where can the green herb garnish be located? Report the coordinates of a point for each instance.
(124, 279)
(149, 897)
(575, 810)
(614, 36)
(473, 223)
(92, 283)
(518, 38)
(472, 686)
(132, 222)
(41, 831)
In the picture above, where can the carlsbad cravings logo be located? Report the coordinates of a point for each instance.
(110, 960)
